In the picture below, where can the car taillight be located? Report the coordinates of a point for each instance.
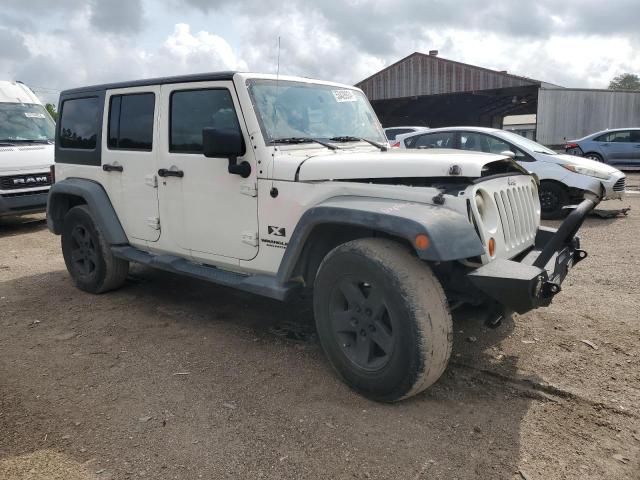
(395, 145)
(567, 146)
(52, 174)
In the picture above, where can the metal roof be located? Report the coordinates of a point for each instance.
(420, 74)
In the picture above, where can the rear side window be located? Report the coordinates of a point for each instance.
(620, 137)
(131, 121)
(430, 140)
(193, 110)
(79, 123)
(394, 132)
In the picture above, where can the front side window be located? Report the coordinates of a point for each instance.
(288, 109)
(25, 122)
(430, 140)
(79, 123)
(192, 111)
(394, 132)
(131, 121)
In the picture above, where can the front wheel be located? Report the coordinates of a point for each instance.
(553, 197)
(382, 319)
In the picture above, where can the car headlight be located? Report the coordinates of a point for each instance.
(586, 171)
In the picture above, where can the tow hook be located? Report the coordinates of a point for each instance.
(495, 315)
(549, 289)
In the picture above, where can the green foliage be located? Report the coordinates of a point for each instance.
(51, 108)
(625, 81)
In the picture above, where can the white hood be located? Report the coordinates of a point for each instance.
(404, 163)
(26, 157)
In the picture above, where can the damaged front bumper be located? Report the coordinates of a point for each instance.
(533, 280)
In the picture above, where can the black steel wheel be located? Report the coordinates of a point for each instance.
(87, 255)
(382, 319)
(553, 197)
(361, 322)
(84, 256)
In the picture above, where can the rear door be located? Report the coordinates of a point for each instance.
(635, 152)
(129, 157)
(616, 147)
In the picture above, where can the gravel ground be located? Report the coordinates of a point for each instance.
(170, 378)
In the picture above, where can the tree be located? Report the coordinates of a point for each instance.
(51, 108)
(625, 81)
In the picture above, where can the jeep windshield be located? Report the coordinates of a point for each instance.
(313, 113)
(25, 123)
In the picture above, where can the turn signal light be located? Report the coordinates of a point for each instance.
(492, 247)
(422, 242)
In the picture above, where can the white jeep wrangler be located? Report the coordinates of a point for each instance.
(271, 185)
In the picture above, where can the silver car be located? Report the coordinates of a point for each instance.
(619, 147)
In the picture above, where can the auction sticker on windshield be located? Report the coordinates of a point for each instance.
(34, 115)
(344, 96)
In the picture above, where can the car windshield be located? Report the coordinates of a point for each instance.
(296, 110)
(527, 144)
(26, 122)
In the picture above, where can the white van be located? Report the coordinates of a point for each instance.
(26, 150)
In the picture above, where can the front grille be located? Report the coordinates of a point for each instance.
(518, 215)
(30, 180)
(23, 194)
(620, 185)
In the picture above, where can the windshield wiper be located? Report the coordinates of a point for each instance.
(294, 140)
(348, 138)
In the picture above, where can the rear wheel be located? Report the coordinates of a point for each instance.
(593, 156)
(553, 197)
(88, 258)
(382, 319)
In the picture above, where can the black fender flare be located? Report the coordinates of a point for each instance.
(95, 197)
(451, 235)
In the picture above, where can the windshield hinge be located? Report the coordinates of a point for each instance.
(249, 189)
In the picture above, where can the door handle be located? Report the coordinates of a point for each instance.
(604, 144)
(112, 168)
(164, 172)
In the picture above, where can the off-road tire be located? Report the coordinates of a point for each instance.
(417, 318)
(88, 258)
(553, 197)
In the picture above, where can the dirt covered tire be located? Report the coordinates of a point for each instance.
(382, 319)
(553, 197)
(87, 255)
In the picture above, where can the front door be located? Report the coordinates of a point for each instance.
(129, 160)
(205, 209)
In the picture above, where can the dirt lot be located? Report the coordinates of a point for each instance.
(170, 378)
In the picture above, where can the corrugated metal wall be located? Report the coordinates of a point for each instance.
(570, 114)
(420, 74)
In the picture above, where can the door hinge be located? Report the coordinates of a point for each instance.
(154, 222)
(250, 238)
(151, 180)
(249, 189)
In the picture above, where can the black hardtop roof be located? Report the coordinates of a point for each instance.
(197, 77)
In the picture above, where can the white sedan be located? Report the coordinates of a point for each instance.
(563, 178)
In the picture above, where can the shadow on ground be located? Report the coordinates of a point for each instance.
(170, 377)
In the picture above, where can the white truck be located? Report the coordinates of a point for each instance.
(274, 185)
(26, 150)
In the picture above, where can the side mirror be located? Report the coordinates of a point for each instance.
(226, 143)
(508, 153)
